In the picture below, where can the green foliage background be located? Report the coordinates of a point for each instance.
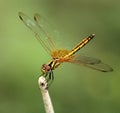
(75, 89)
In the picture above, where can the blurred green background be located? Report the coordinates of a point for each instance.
(75, 89)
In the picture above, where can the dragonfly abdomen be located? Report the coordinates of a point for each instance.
(80, 45)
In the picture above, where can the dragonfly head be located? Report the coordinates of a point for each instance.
(45, 68)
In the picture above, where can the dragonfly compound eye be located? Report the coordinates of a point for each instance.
(45, 68)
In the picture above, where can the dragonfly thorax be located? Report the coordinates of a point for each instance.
(58, 55)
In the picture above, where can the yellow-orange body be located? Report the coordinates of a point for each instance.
(60, 56)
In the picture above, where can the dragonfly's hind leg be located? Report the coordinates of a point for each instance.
(51, 76)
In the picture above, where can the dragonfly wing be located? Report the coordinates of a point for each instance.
(100, 67)
(92, 63)
(38, 31)
(47, 28)
(85, 60)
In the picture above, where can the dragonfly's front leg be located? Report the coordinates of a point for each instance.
(49, 76)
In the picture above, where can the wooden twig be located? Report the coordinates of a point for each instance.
(43, 85)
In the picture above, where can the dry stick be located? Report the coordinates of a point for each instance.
(43, 85)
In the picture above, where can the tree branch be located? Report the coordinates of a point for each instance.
(43, 85)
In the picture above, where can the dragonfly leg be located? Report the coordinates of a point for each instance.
(46, 74)
(50, 76)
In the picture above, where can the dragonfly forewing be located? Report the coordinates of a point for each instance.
(38, 31)
(47, 28)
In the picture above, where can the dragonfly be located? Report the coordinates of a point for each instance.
(59, 56)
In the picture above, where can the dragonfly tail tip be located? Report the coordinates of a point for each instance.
(93, 35)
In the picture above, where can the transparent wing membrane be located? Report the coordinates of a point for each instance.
(39, 32)
(85, 60)
(46, 28)
(92, 63)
